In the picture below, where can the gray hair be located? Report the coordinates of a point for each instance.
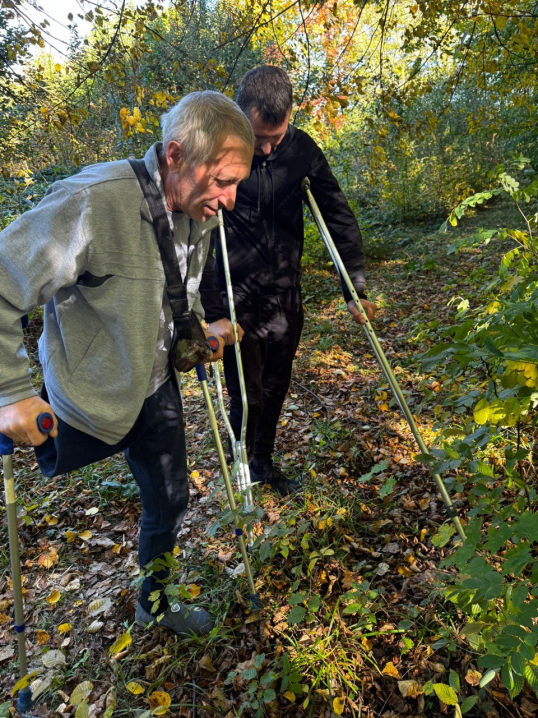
(199, 120)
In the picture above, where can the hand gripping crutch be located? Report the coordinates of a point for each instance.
(45, 422)
(255, 602)
(239, 446)
(380, 354)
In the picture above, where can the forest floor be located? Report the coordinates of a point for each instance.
(353, 623)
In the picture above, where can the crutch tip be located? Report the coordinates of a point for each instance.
(24, 700)
(256, 602)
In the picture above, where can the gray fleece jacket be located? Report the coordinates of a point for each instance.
(88, 252)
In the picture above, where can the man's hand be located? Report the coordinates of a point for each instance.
(19, 421)
(216, 354)
(369, 307)
(224, 328)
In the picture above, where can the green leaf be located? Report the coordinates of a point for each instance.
(443, 536)
(296, 598)
(387, 487)
(296, 615)
(249, 674)
(454, 680)
(269, 695)
(468, 703)
(313, 604)
(446, 694)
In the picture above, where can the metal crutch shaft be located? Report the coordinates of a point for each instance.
(255, 602)
(45, 423)
(241, 445)
(380, 354)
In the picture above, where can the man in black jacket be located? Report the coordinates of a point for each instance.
(265, 244)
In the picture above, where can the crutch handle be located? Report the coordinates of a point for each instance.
(213, 343)
(201, 372)
(45, 424)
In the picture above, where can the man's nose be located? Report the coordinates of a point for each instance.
(227, 198)
(265, 147)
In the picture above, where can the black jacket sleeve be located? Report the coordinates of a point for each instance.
(212, 302)
(339, 219)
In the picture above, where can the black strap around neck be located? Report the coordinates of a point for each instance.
(175, 286)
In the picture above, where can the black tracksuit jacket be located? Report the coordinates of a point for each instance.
(265, 231)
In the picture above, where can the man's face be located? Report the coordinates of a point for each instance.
(268, 137)
(201, 191)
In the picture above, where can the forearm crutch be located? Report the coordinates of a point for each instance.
(239, 446)
(255, 602)
(380, 354)
(45, 422)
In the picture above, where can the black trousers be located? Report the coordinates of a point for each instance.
(273, 326)
(156, 453)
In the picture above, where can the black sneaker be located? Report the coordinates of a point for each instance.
(271, 476)
(183, 620)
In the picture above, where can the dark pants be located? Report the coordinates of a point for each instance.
(272, 326)
(156, 453)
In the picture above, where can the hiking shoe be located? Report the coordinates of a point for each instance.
(183, 620)
(271, 476)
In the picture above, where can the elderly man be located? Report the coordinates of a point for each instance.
(265, 245)
(88, 252)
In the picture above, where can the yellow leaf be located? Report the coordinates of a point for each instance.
(65, 628)
(312, 473)
(384, 407)
(391, 670)
(58, 67)
(195, 474)
(85, 535)
(159, 702)
(473, 677)
(24, 682)
(338, 705)
(54, 597)
(367, 643)
(42, 637)
(116, 548)
(48, 558)
(51, 520)
(290, 696)
(175, 552)
(422, 535)
(70, 536)
(193, 589)
(135, 688)
(404, 571)
(121, 643)
(81, 692)
(410, 689)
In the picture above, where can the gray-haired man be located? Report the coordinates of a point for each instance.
(88, 252)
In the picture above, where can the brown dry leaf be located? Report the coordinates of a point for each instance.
(48, 558)
(473, 677)
(4, 619)
(391, 670)
(206, 664)
(424, 503)
(410, 689)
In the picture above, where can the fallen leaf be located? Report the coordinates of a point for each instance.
(85, 535)
(48, 558)
(290, 696)
(121, 643)
(94, 626)
(135, 688)
(367, 643)
(65, 628)
(338, 705)
(206, 664)
(53, 597)
(194, 590)
(42, 637)
(7, 652)
(70, 536)
(80, 692)
(473, 677)
(51, 659)
(159, 702)
(410, 689)
(100, 605)
(391, 670)
(92, 511)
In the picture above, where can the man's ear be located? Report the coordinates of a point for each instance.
(174, 156)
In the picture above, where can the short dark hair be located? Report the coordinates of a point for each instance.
(268, 90)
